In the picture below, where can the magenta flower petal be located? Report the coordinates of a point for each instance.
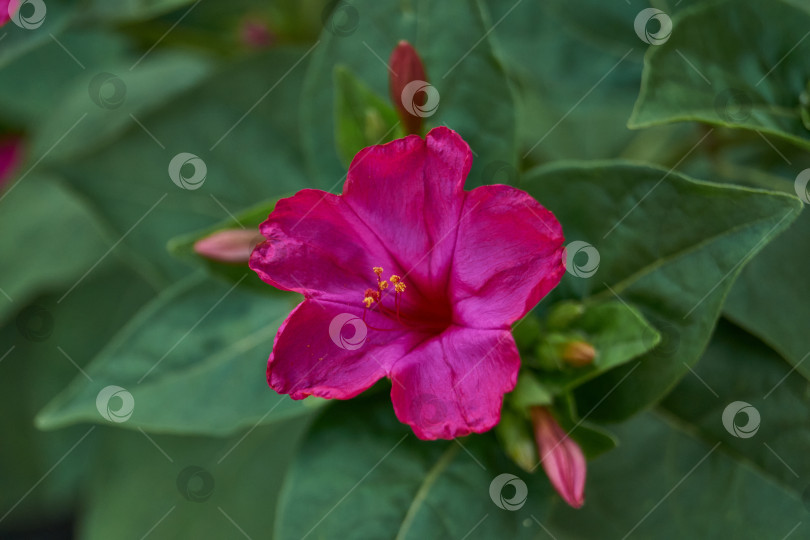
(317, 246)
(507, 256)
(453, 384)
(331, 364)
(437, 274)
(4, 11)
(561, 457)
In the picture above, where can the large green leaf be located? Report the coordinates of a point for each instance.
(739, 368)
(110, 99)
(770, 297)
(42, 350)
(194, 361)
(670, 246)
(735, 63)
(43, 222)
(29, 81)
(475, 97)
(167, 487)
(240, 123)
(17, 41)
(390, 484)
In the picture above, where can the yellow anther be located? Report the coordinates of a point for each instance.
(383, 285)
(368, 301)
(399, 287)
(378, 270)
(395, 279)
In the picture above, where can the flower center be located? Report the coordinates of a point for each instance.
(405, 314)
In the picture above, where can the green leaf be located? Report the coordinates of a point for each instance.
(361, 117)
(738, 367)
(168, 487)
(110, 99)
(390, 484)
(665, 482)
(770, 296)
(246, 136)
(18, 41)
(616, 330)
(44, 222)
(133, 9)
(735, 63)
(476, 98)
(43, 349)
(194, 360)
(670, 246)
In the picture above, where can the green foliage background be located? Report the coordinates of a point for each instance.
(675, 161)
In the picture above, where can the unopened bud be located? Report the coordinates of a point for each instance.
(231, 246)
(406, 67)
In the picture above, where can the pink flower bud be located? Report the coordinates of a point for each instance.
(406, 67)
(10, 157)
(255, 34)
(561, 457)
(231, 246)
(4, 11)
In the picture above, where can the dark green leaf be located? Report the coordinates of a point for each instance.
(668, 245)
(194, 361)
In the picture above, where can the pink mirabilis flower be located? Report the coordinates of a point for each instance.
(561, 457)
(463, 266)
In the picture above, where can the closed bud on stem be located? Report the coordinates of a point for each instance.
(230, 246)
(561, 457)
(406, 67)
(578, 353)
